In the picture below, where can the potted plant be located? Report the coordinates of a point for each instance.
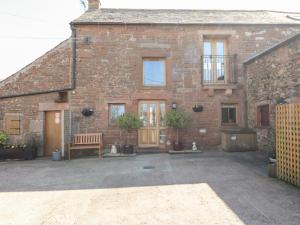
(17, 151)
(177, 120)
(272, 164)
(197, 108)
(127, 123)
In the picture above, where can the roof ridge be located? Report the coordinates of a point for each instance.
(212, 10)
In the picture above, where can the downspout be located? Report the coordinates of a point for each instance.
(73, 74)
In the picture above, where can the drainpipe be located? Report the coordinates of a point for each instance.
(73, 74)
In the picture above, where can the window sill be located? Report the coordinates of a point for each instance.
(154, 87)
(217, 86)
(229, 125)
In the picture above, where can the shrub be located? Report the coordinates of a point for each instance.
(3, 138)
(128, 122)
(177, 120)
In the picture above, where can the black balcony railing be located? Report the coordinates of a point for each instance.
(218, 69)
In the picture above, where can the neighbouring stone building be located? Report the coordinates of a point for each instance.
(273, 77)
(144, 62)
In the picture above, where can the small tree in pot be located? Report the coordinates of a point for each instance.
(177, 120)
(128, 122)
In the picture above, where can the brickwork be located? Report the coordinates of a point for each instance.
(109, 70)
(271, 77)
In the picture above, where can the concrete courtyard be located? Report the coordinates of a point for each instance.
(209, 188)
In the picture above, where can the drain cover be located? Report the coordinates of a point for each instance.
(148, 167)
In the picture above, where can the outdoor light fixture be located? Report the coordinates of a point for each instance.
(174, 106)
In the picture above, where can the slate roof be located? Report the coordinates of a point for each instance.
(173, 16)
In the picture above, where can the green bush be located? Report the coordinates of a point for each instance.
(128, 122)
(177, 120)
(3, 138)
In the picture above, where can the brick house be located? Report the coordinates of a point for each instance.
(273, 77)
(144, 62)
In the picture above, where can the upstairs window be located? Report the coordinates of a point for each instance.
(263, 116)
(215, 61)
(154, 72)
(229, 114)
(115, 110)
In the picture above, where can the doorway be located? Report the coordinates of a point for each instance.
(153, 132)
(53, 127)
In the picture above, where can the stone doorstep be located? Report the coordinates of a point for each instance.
(109, 155)
(184, 152)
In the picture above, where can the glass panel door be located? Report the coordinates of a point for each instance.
(153, 132)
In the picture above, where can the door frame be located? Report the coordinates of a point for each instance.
(157, 127)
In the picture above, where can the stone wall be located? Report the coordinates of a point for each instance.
(273, 76)
(109, 69)
(50, 71)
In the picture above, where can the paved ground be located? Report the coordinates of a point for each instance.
(210, 188)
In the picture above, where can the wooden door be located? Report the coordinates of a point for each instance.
(52, 132)
(152, 113)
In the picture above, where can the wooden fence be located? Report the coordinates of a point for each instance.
(288, 142)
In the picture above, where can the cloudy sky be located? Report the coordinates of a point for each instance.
(32, 27)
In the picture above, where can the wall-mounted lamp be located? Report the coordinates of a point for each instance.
(174, 106)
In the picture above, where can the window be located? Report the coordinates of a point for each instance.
(154, 72)
(229, 114)
(12, 124)
(214, 60)
(115, 110)
(263, 115)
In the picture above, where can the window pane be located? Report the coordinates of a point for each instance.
(207, 48)
(116, 110)
(144, 114)
(154, 73)
(220, 48)
(162, 136)
(228, 114)
(152, 115)
(232, 115)
(162, 114)
(225, 115)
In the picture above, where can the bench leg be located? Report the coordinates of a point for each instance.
(69, 154)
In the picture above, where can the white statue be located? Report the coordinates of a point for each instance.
(194, 148)
(113, 149)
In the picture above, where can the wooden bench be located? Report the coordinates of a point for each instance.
(86, 141)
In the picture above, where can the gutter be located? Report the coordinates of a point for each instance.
(73, 74)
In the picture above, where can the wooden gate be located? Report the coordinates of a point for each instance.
(288, 142)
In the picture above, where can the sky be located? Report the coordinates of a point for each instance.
(32, 27)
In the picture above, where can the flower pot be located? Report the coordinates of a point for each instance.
(198, 108)
(128, 149)
(177, 146)
(17, 153)
(272, 170)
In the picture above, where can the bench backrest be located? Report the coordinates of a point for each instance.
(87, 139)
